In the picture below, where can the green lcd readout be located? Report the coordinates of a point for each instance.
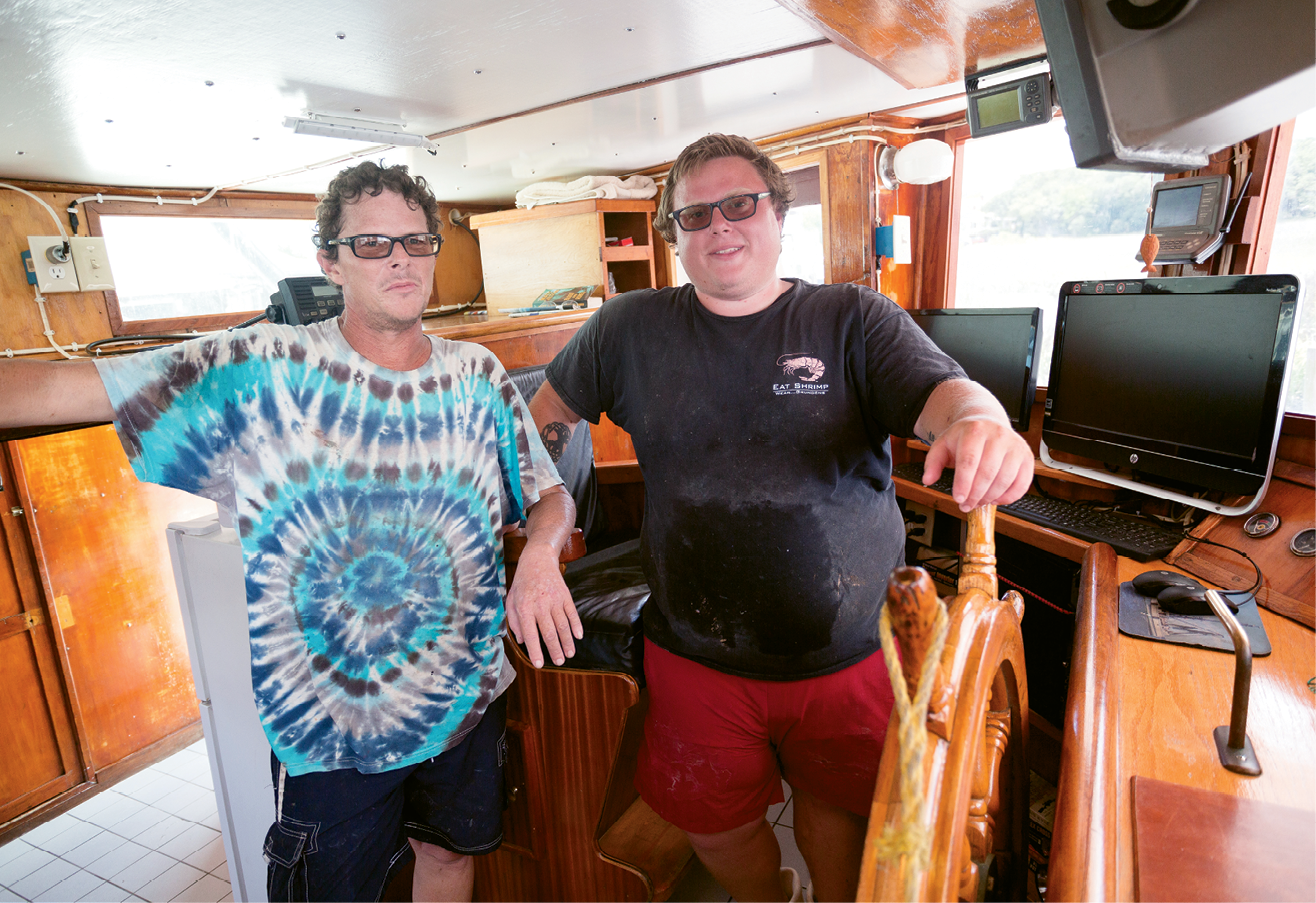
(998, 108)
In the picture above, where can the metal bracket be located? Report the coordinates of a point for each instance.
(1231, 741)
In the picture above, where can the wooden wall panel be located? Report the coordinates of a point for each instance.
(458, 273)
(99, 540)
(850, 217)
(74, 316)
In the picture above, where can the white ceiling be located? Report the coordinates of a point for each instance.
(117, 93)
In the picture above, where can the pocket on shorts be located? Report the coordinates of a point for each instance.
(286, 846)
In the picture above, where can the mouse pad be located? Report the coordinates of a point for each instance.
(1141, 616)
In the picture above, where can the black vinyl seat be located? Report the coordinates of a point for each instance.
(608, 585)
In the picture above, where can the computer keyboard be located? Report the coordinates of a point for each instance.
(1139, 540)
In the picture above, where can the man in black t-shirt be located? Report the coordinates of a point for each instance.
(761, 411)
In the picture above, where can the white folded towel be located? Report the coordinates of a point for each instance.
(586, 187)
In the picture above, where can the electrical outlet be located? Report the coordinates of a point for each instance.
(92, 264)
(53, 274)
(918, 523)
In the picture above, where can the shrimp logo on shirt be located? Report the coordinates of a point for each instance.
(803, 374)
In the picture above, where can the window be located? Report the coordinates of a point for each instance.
(183, 267)
(1293, 250)
(1030, 220)
(803, 245)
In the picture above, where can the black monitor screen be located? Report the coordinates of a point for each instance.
(996, 346)
(1177, 207)
(1178, 378)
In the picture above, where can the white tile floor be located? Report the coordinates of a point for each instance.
(153, 837)
(698, 886)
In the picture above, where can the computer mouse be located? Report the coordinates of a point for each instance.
(1183, 600)
(1150, 583)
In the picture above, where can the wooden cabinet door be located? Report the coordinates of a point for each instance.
(37, 744)
(99, 539)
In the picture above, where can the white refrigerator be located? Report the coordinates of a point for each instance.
(208, 570)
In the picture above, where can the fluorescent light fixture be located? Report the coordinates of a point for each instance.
(374, 131)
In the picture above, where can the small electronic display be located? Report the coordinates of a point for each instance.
(1013, 105)
(304, 299)
(996, 346)
(1187, 215)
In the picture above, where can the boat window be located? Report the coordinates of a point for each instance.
(202, 270)
(1293, 250)
(1029, 220)
(803, 248)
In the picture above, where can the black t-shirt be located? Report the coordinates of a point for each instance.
(770, 523)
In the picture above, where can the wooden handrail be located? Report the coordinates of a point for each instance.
(1085, 836)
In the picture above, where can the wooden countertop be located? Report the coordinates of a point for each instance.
(469, 326)
(1145, 708)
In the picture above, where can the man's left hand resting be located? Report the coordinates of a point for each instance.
(539, 605)
(993, 464)
(968, 430)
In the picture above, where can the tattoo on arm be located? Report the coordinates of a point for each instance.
(555, 436)
(930, 438)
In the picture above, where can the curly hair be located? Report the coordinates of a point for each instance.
(372, 179)
(714, 147)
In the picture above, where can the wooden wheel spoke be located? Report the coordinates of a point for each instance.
(976, 784)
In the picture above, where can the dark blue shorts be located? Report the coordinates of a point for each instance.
(342, 835)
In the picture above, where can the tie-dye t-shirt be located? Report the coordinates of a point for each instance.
(369, 504)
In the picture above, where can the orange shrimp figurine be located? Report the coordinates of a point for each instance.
(1150, 245)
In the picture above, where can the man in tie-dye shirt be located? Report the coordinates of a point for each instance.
(371, 470)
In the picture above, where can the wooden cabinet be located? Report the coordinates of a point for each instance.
(524, 252)
(37, 741)
(94, 664)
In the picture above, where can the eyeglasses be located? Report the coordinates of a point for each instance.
(374, 247)
(734, 208)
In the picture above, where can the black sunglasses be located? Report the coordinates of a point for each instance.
(374, 247)
(734, 208)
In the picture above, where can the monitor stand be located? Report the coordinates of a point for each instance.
(1102, 476)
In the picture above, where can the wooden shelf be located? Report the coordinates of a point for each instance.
(627, 252)
(555, 246)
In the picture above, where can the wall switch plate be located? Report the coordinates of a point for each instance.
(92, 264)
(52, 276)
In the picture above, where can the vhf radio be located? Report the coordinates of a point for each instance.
(304, 299)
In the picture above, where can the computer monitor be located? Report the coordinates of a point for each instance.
(996, 346)
(1173, 382)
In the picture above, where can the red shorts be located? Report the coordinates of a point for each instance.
(717, 746)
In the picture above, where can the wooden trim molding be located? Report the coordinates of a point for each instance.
(1085, 837)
